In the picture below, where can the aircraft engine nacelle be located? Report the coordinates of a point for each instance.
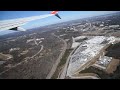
(18, 29)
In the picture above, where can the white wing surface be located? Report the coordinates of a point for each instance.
(14, 24)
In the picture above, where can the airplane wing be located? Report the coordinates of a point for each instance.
(14, 24)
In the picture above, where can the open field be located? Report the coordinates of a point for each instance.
(42, 52)
(112, 66)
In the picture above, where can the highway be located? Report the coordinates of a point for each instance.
(64, 72)
(59, 58)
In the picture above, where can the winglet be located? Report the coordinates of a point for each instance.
(56, 14)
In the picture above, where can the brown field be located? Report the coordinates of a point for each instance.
(5, 56)
(112, 66)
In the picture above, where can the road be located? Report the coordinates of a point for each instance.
(64, 72)
(85, 77)
(99, 66)
(38, 52)
(59, 58)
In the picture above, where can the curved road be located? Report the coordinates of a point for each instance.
(84, 77)
(23, 61)
(59, 58)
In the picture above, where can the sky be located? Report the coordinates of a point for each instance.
(65, 15)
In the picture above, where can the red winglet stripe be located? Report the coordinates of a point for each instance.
(54, 12)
